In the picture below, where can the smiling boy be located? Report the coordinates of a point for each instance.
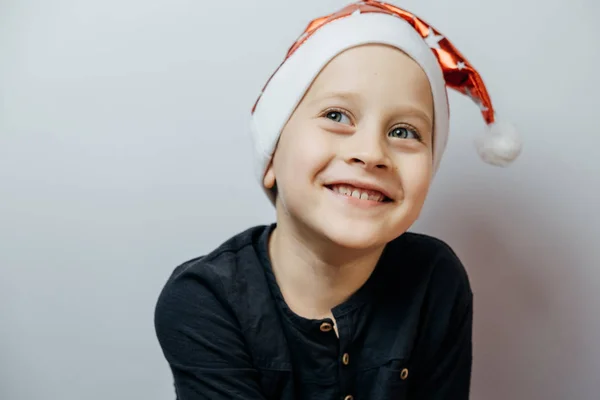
(337, 300)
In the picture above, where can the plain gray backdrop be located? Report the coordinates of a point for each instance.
(124, 151)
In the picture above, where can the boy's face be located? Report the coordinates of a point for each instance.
(354, 162)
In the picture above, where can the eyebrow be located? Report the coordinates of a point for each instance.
(353, 97)
(408, 110)
(347, 96)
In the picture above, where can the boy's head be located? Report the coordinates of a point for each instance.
(351, 128)
(364, 129)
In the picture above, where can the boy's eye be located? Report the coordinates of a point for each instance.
(338, 116)
(403, 132)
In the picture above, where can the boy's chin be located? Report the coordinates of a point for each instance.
(360, 238)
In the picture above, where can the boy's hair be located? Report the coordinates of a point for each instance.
(370, 22)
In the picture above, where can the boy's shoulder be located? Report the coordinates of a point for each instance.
(221, 267)
(422, 246)
(215, 297)
(429, 258)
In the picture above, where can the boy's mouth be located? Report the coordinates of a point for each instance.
(359, 193)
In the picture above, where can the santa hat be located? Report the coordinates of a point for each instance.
(374, 22)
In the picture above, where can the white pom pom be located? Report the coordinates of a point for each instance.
(500, 145)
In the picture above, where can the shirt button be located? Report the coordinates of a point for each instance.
(349, 397)
(326, 327)
(404, 374)
(346, 358)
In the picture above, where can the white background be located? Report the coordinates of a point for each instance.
(124, 151)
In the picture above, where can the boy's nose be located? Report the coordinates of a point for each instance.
(368, 152)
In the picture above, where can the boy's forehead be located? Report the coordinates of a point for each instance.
(361, 68)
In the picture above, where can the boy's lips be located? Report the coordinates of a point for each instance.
(373, 190)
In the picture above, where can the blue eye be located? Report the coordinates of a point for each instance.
(403, 132)
(338, 116)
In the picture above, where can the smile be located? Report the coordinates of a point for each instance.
(359, 193)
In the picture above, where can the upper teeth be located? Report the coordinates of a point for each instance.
(358, 193)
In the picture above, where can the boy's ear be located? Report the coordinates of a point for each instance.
(269, 177)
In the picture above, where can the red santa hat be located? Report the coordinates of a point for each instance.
(374, 22)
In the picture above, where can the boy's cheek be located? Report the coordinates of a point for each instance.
(307, 151)
(417, 188)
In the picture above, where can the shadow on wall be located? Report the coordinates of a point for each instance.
(528, 326)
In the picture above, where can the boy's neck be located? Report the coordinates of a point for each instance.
(314, 277)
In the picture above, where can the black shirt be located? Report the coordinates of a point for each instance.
(227, 332)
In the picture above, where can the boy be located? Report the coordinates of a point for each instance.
(336, 300)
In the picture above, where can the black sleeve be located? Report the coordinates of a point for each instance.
(447, 376)
(202, 341)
